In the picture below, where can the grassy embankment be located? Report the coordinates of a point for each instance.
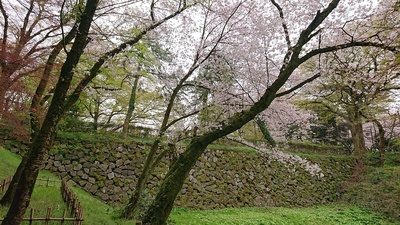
(96, 212)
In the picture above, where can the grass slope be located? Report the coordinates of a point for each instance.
(379, 187)
(97, 212)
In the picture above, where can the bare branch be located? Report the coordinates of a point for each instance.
(298, 85)
(5, 28)
(284, 26)
(95, 68)
(181, 118)
(152, 11)
(348, 45)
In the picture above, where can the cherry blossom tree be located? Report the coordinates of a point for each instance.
(63, 99)
(285, 46)
(213, 31)
(357, 88)
(29, 31)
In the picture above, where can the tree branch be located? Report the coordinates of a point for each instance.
(95, 68)
(298, 85)
(5, 29)
(284, 26)
(181, 118)
(315, 52)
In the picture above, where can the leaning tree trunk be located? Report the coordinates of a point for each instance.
(44, 138)
(130, 211)
(264, 130)
(12, 188)
(161, 207)
(131, 106)
(34, 112)
(171, 186)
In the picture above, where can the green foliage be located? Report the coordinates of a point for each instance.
(90, 137)
(394, 145)
(328, 215)
(264, 130)
(392, 159)
(379, 187)
(329, 130)
(319, 148)
(71, 121)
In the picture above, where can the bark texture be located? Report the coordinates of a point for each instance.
(44, 138)
(131, 106)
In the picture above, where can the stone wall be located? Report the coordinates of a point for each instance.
(221, 178)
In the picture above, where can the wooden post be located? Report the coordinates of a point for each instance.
(3, 183)
(47, 220)
(31, 216)
(63, 216)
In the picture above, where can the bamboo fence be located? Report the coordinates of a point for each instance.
(73, 205)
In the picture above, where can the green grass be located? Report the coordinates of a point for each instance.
(378, 189)
(8, 163)
(326, 215)
(96, 212)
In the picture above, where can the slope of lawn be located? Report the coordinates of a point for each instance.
(378, 188)
(97, 212)
(43, 197)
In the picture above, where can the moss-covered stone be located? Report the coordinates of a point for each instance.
(219, 179)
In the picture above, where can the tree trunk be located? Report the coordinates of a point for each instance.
(44, 138)
(131, 106)
(381, 141)
(130, 211)
(34, 109)
(12, 188)
(357, 135)
(6, 83)
(27, 182)
(161, 207)
(159, 211)
(37, 100)
(2, 101)
(96, 114)
(264, 130)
